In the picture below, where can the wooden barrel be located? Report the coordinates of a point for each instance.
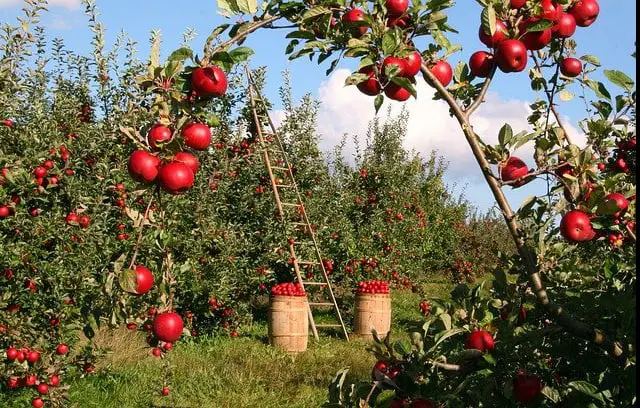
(289, 323)
(372, 311)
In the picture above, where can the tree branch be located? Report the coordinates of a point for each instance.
(529, 258)
(483, 92)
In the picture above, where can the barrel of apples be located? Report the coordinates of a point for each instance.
(288, 318)
(372, 309)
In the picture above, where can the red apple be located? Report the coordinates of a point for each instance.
(399, 21)
(4, 211)
(576, 227)
(422, 403)
(550, 10)
(32, 357)
(371, 86)
(165, 391)
(353, 19)
(396, 7)
(175, 177)
(37, 403)
(499, 36)
(481, 63)
(62, 349)
(513, 169)
(168, 326)
(143, 166)
(571, 67)
(534, 40)
(12, 353)
(565, 27)
(480, 340)
(516, 4)
(398, 403)
(54, 380)
(511, 56)
(442, 71)
(392, 62)
(413, 64)
(585, 12)
(158, 134)
(84, 221)
(40, 172)
(144, 280)
(526, 387)
(42, 389)
(209, 82)
(396, 92)
(620, 200)
(187, 158)
(197, 136)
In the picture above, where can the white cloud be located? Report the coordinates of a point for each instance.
(59, 23)
(69, 4)
(345, 110)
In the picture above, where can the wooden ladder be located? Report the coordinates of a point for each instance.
(278, 175)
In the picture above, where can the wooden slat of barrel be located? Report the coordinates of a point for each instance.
(289, 323)
(372, 311)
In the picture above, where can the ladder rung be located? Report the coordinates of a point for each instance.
(302, 243)
(328, 325)
(314, 283)
(279, 168)
(284, 185)
(308, 262)
(321, 304)
(291, 204)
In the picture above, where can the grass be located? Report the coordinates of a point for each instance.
(224, 372)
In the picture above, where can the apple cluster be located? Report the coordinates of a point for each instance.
(425, 307)
(288, 289)
(382, 369)
(376, 286)
(523, 29)
(176, 172)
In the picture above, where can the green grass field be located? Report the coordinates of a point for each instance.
(226, 372)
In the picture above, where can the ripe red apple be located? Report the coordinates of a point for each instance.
(480, 340)
(565, 27)
(442, 71)
(165, 391)
(620, 200)
(526, 387)
(175, 177)
(62, 349)
(481, 63)
(499, 36)
(352, 16)
(371, 86)
(400, 63)
(13, 383)
(576, 227)
(197, 136)
(54, 380)
(585, 12)
(379, 366)
(7, 122)
(550, 10)
(396, 92)
(571, 67)
(399, 21)
(84, 221)
(168, 326)
(158, 134)
(144, 280)
(30, 380)
(513, 169)
(33, 356)
(534, 40)
(4, 211)
(516, 4)
(209, 82)
(398, 403)
(511, 56)
(143, 166)
(12, 353)
(187, 158)
(40, 172)
(42, 389)
(396, 7)
(413, 64)
(37, 403)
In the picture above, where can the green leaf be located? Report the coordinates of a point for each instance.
(488, 20)
(307, 35)
(230, 6)
(181, 54)
(445, 318)
(240, 54)
(591, 59)
(248, 6)
(406, 84)
(619, 78)
(377, 103)
(584, 387)
(390, 42)
(489, 359)
(505, 135)
(442, 336)
(599, 89)
(128, 281)
(315, 12)
(356, 78)
(540, 25)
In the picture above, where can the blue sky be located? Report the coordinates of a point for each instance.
(611, 38)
